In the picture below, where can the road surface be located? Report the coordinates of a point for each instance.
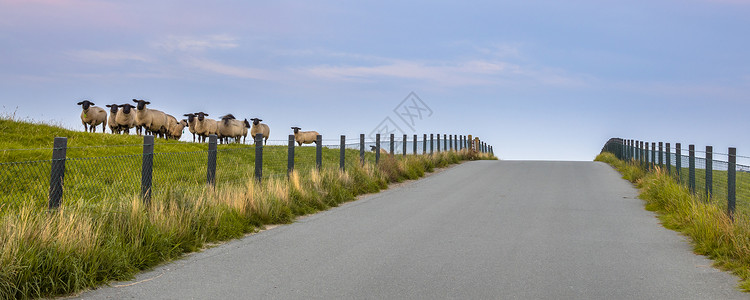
(479, 230)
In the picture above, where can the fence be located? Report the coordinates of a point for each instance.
(156, 170)
(713, 176)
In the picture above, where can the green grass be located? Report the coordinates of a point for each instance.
(103, 232)
(712, 232)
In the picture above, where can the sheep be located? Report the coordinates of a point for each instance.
(259, 128)
(204, 126)
(305, 137)
(151, 120)
(111, 122)
(175, 132)
(171, 122)
(244, 131)
(91, 116)
(126, 118)
(191, 124)
(230, 127)
(382, 151)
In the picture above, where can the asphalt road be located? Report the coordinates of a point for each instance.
(480, 230)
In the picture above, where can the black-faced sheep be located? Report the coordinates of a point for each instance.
(111, 122)
(191, 124)
(151, 120)
(230, 127)
(204, 126)
(382, 151)
(258, 127)
(126, 118)
(92, 116)
(305, 137)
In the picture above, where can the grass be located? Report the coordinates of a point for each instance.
(712, 232)
(98, 235)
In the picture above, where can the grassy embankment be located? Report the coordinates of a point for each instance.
(706, 222)
(103, 232)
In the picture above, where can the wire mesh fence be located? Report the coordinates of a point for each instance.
(714, 177)
(92, 175)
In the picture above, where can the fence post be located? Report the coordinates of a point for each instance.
(431, 142)
(661, 154)
(57, 173)
(362, 148)
(415, 144)
(653, 155)
(691, 168)
(424, 144)
(290, 156)
(438, 143)
(709, 172)
(668, 155)
(392, 144)
(147, 167)
(645, 158)
(450, 137)
(445, 142)
(732, 182)
(678, 160)
(211, 168)
(258, 156)
(319, 152)
(404, 145)
(377, 148)
(342, 152)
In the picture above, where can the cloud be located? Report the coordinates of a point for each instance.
(197, 44)
(109, 57)
(232, 71)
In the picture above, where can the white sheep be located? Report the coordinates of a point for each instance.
(151, 120)
(191, 124)
(111, 122)
(204, 126)
(259, 128)
(230, 127)
(305, 137)
(175, 132)
(171, 122)
(126, 118)
(244, 131)
(92, 116)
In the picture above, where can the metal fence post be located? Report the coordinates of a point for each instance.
(450, 143)
(362, 148)
(732, 182)
(377, 148)
(57, 173)
(258, 156)
(290, 155)
(424, 144)
(211, 167)
(392, 143)
(438, 143)
(147, 167)
(342, 152)
(404, 145)
(678, 160)
(445, 142)
(645, 157)
(319, 152)
(668, 154)
(691, 168)
(709, 171)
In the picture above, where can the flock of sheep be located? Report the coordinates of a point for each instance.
(124, 117)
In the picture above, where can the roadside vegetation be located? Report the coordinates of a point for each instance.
(90, 241)
(706, 222)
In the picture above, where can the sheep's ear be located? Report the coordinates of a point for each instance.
(205, 114)
(259, 120)
(136, 101)
(108, 105)
(80, 103)
(147, 102)
(91, 103)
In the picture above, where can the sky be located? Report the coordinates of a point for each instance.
(537, 80)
